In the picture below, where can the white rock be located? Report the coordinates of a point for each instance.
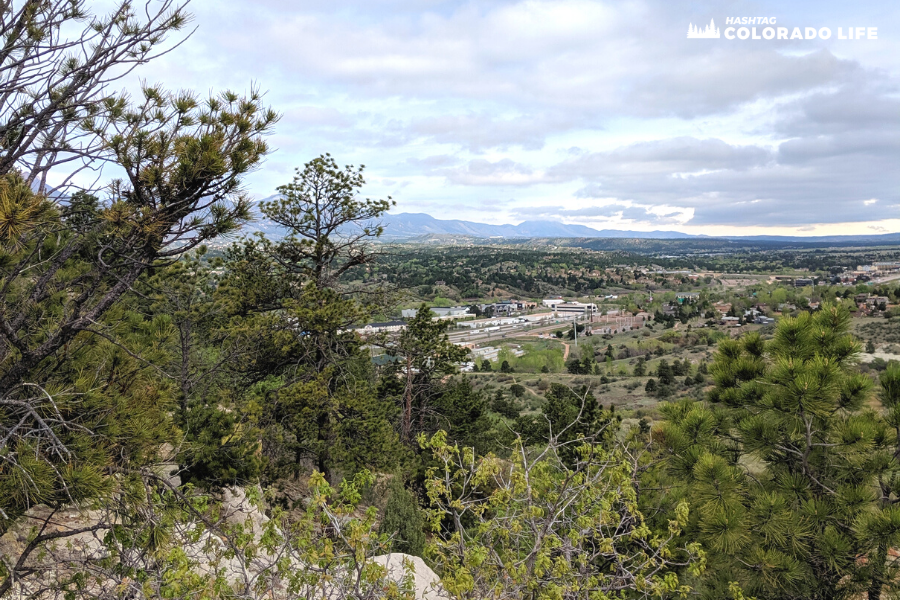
(427, 583)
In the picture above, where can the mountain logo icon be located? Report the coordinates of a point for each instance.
(711, 31)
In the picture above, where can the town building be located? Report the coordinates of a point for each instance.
(487, 352)
(439, 311)
(385, 327)
(507, 307)
(551, 302)
(681, 297)
(574, 309)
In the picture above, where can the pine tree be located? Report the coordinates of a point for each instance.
(84, 408)
(504, 406)
(296, 321)
(640, 369)
(461, 411)
(795, 408)
(424, 354)
(328, 224)
(880, 528)
(403, 520)
(664, 373)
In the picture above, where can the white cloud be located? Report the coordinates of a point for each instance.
(482, 172)
(592, 104)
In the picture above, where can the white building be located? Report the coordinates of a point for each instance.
(575, 309)
(389, 326)
(440, 311)
(488, 352)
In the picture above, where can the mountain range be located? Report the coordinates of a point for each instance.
(405, 225)
(402, 226)
(408, 225)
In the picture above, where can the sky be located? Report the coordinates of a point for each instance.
(600, 113)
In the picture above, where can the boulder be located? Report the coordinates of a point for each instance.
(427, 583)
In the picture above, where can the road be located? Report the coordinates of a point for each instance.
(886, 279)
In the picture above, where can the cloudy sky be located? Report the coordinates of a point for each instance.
(593, 112)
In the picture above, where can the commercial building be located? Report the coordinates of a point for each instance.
(439, 311)
(562, 308)
(488, 352)
(388, 326)
(506, 307)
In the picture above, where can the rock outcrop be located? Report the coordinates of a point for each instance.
(84, 532)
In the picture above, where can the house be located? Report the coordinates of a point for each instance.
(467, 345)
(876, 301)
(681, 297)
(722, 307)
(486, 353)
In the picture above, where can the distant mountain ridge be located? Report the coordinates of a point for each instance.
(402, 226)
(406, 225)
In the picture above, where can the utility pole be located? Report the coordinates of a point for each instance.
(575, 327)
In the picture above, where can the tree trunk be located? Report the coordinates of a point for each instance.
(407, 402)
(184, 331)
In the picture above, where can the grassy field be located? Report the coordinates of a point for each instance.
(883, 333)
(614, 384)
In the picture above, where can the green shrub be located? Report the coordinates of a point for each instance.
(403, 520)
